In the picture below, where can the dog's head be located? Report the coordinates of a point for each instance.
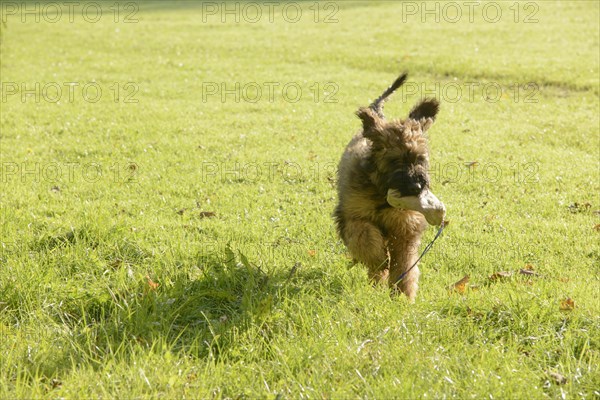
(399, 152)
(399, 157)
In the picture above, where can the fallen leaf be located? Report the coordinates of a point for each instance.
(116, 263)
(312, 253)
(564, 279)
(577, 207)
(528, 267)
(525, 271)
(192, 376)
(499, 275)
(557, 378)
(460, 286)
(597, 227)
(151, 284)
(293, 270)
(567, 304)
(207, 214)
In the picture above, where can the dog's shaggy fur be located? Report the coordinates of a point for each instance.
(385, 155)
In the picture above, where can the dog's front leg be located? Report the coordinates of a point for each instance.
(403, 254)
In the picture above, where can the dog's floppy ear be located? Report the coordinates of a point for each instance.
(371, 122)
(425, 112)
(427, 108)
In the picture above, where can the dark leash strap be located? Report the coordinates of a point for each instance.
(427, 248)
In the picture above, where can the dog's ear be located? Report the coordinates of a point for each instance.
(424, 113)
(427, 108)
(371, 122)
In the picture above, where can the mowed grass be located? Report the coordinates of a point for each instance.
(183, 246)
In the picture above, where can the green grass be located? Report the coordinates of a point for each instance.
(261, 299)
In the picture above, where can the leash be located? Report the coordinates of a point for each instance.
(427, 248)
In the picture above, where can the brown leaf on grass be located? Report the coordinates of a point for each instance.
(207, 214)
(151, 284)
(597, 227)
(312, 253)
(460, 286)
(567, 304)
(557, 378)
(192, 376)
(564, 279)
(578, 207)
(473, 313)
(528, 270)
(116, 263)
(490, 217)
(523, 271)
(499, 275)
(293, 270)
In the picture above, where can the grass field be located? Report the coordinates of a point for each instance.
(168, 234)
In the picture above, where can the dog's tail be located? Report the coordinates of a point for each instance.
(377, 105)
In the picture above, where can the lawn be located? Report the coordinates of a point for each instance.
(168, 179)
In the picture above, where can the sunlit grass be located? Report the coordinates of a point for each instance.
(172, 244)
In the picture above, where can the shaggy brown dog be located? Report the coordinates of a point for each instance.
(386, 157)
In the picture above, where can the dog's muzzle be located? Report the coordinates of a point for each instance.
(426, 203)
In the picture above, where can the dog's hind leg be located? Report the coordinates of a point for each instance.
(367, 245)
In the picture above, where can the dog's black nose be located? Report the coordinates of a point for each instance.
(412, 188)
(406, 184)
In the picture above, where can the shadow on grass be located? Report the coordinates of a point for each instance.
(212, 310)
(205, 314)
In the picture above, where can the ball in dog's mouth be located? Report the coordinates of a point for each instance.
(426, 203)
